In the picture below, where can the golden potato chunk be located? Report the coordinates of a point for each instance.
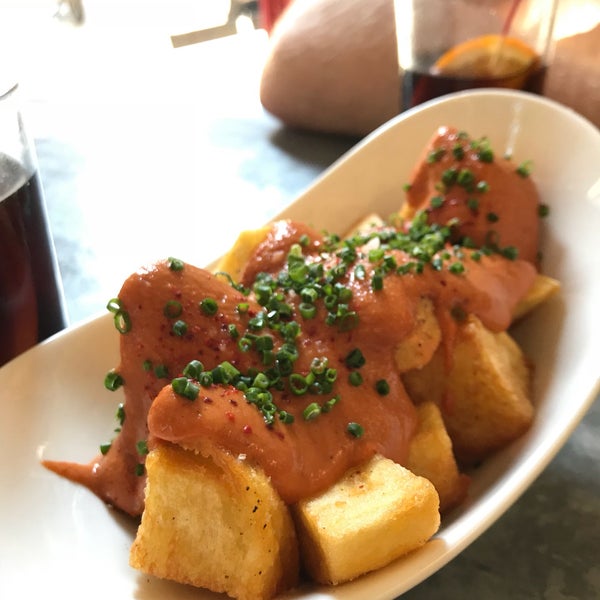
(371, 222)
(483, 394)
(372, 516)
(431, 456)
(543, 288)
(218, 526)
(234, 261)
(416, 349)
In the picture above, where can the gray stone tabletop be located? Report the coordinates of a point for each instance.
(178, 167)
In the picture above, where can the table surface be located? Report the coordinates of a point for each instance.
(147, 151)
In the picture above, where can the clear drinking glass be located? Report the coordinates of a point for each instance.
(31, 298)
(451, 45)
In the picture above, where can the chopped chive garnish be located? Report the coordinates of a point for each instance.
(175, 264)
(122, 321)
(382, 387)
(180, 328)
(456, 268)
(355, 429)
(435, 155)
(193, 369)
(172, 309)
(209, 306)
(185, 387)
(524, 169)
(120, 414)
(312, 411)
(298, 384)
(355, 378)
(286, 417)
(161, 371)
(458, 151)
(113, 381)
(355, 359)
(436, 201)
(473, 203)
(104, 448)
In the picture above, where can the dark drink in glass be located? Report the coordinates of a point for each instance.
(31, 299)
(420, 87)
(447, 46)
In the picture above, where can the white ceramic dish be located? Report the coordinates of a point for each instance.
(56, 536)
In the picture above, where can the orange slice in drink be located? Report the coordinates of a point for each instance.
(505, 60)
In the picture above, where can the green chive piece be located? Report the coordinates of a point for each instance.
(114, 305)
(113, 381)
(298, 384)
(180, 328)
(382, 387)
(355, 378)
(120, 414)
(458, 151)
(185, 387)
(175, 264)
(122, 321)
(543, 210)
(355, 359)
(435, 155)
(524, 169)
(312, 411)
(456, 268)
(436, 201)
(355, 429)
(172, 309)
(193, 369)
(161, 371)
(209, 306)
(330, 403)
(473, 203)
(286, 417)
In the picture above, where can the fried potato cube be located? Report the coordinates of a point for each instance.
(371, 222)
(415, 350)
(234, 261)
(543, 288)
(484, 394)
(372, 516)
(217, 526)
(431, 456)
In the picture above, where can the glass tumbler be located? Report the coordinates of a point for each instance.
(31, 297)
(452, 45)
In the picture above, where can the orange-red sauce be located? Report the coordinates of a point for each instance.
(306, 456)
(506, 214)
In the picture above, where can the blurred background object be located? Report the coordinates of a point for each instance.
(328, 70)
(270, 11)
(446, 46)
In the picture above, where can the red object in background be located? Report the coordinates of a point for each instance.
(270, 11)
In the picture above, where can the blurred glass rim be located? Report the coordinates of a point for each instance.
(7, 87)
